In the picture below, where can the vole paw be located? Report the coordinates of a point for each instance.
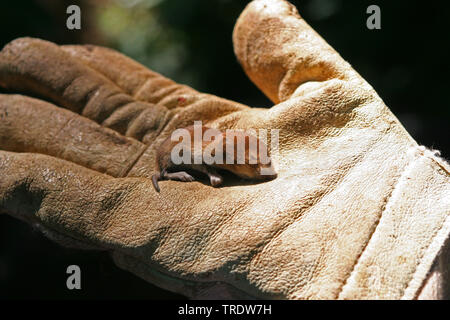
(180, 176)
(185, 177)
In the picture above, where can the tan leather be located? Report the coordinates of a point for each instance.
(358, 210)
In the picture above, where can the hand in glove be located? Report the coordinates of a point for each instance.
(358, 209)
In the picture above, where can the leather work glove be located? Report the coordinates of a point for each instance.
(358, 210)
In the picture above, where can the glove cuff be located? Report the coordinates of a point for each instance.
(410, 234)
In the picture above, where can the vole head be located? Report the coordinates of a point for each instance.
(257, 171)
(249, 156)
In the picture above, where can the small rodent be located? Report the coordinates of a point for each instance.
(257, 170)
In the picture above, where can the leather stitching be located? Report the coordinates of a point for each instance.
(383, 210)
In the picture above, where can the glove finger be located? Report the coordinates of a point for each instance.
(279, 51)
(132, 77)
(72, 202)
(145, 85)
(32, 125)
(66, 77)
(42, 69)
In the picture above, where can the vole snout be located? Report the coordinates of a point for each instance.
(268, 173)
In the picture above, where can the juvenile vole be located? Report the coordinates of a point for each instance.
(247, 165)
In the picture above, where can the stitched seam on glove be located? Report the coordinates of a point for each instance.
(421, 266)
(383, 210)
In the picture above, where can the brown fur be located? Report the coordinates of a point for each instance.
(167, 170)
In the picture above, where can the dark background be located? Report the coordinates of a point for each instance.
(190, 41)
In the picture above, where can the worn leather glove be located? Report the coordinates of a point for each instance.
(358, 209)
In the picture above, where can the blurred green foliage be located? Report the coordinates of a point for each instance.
(136, 29)
(189, 42)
